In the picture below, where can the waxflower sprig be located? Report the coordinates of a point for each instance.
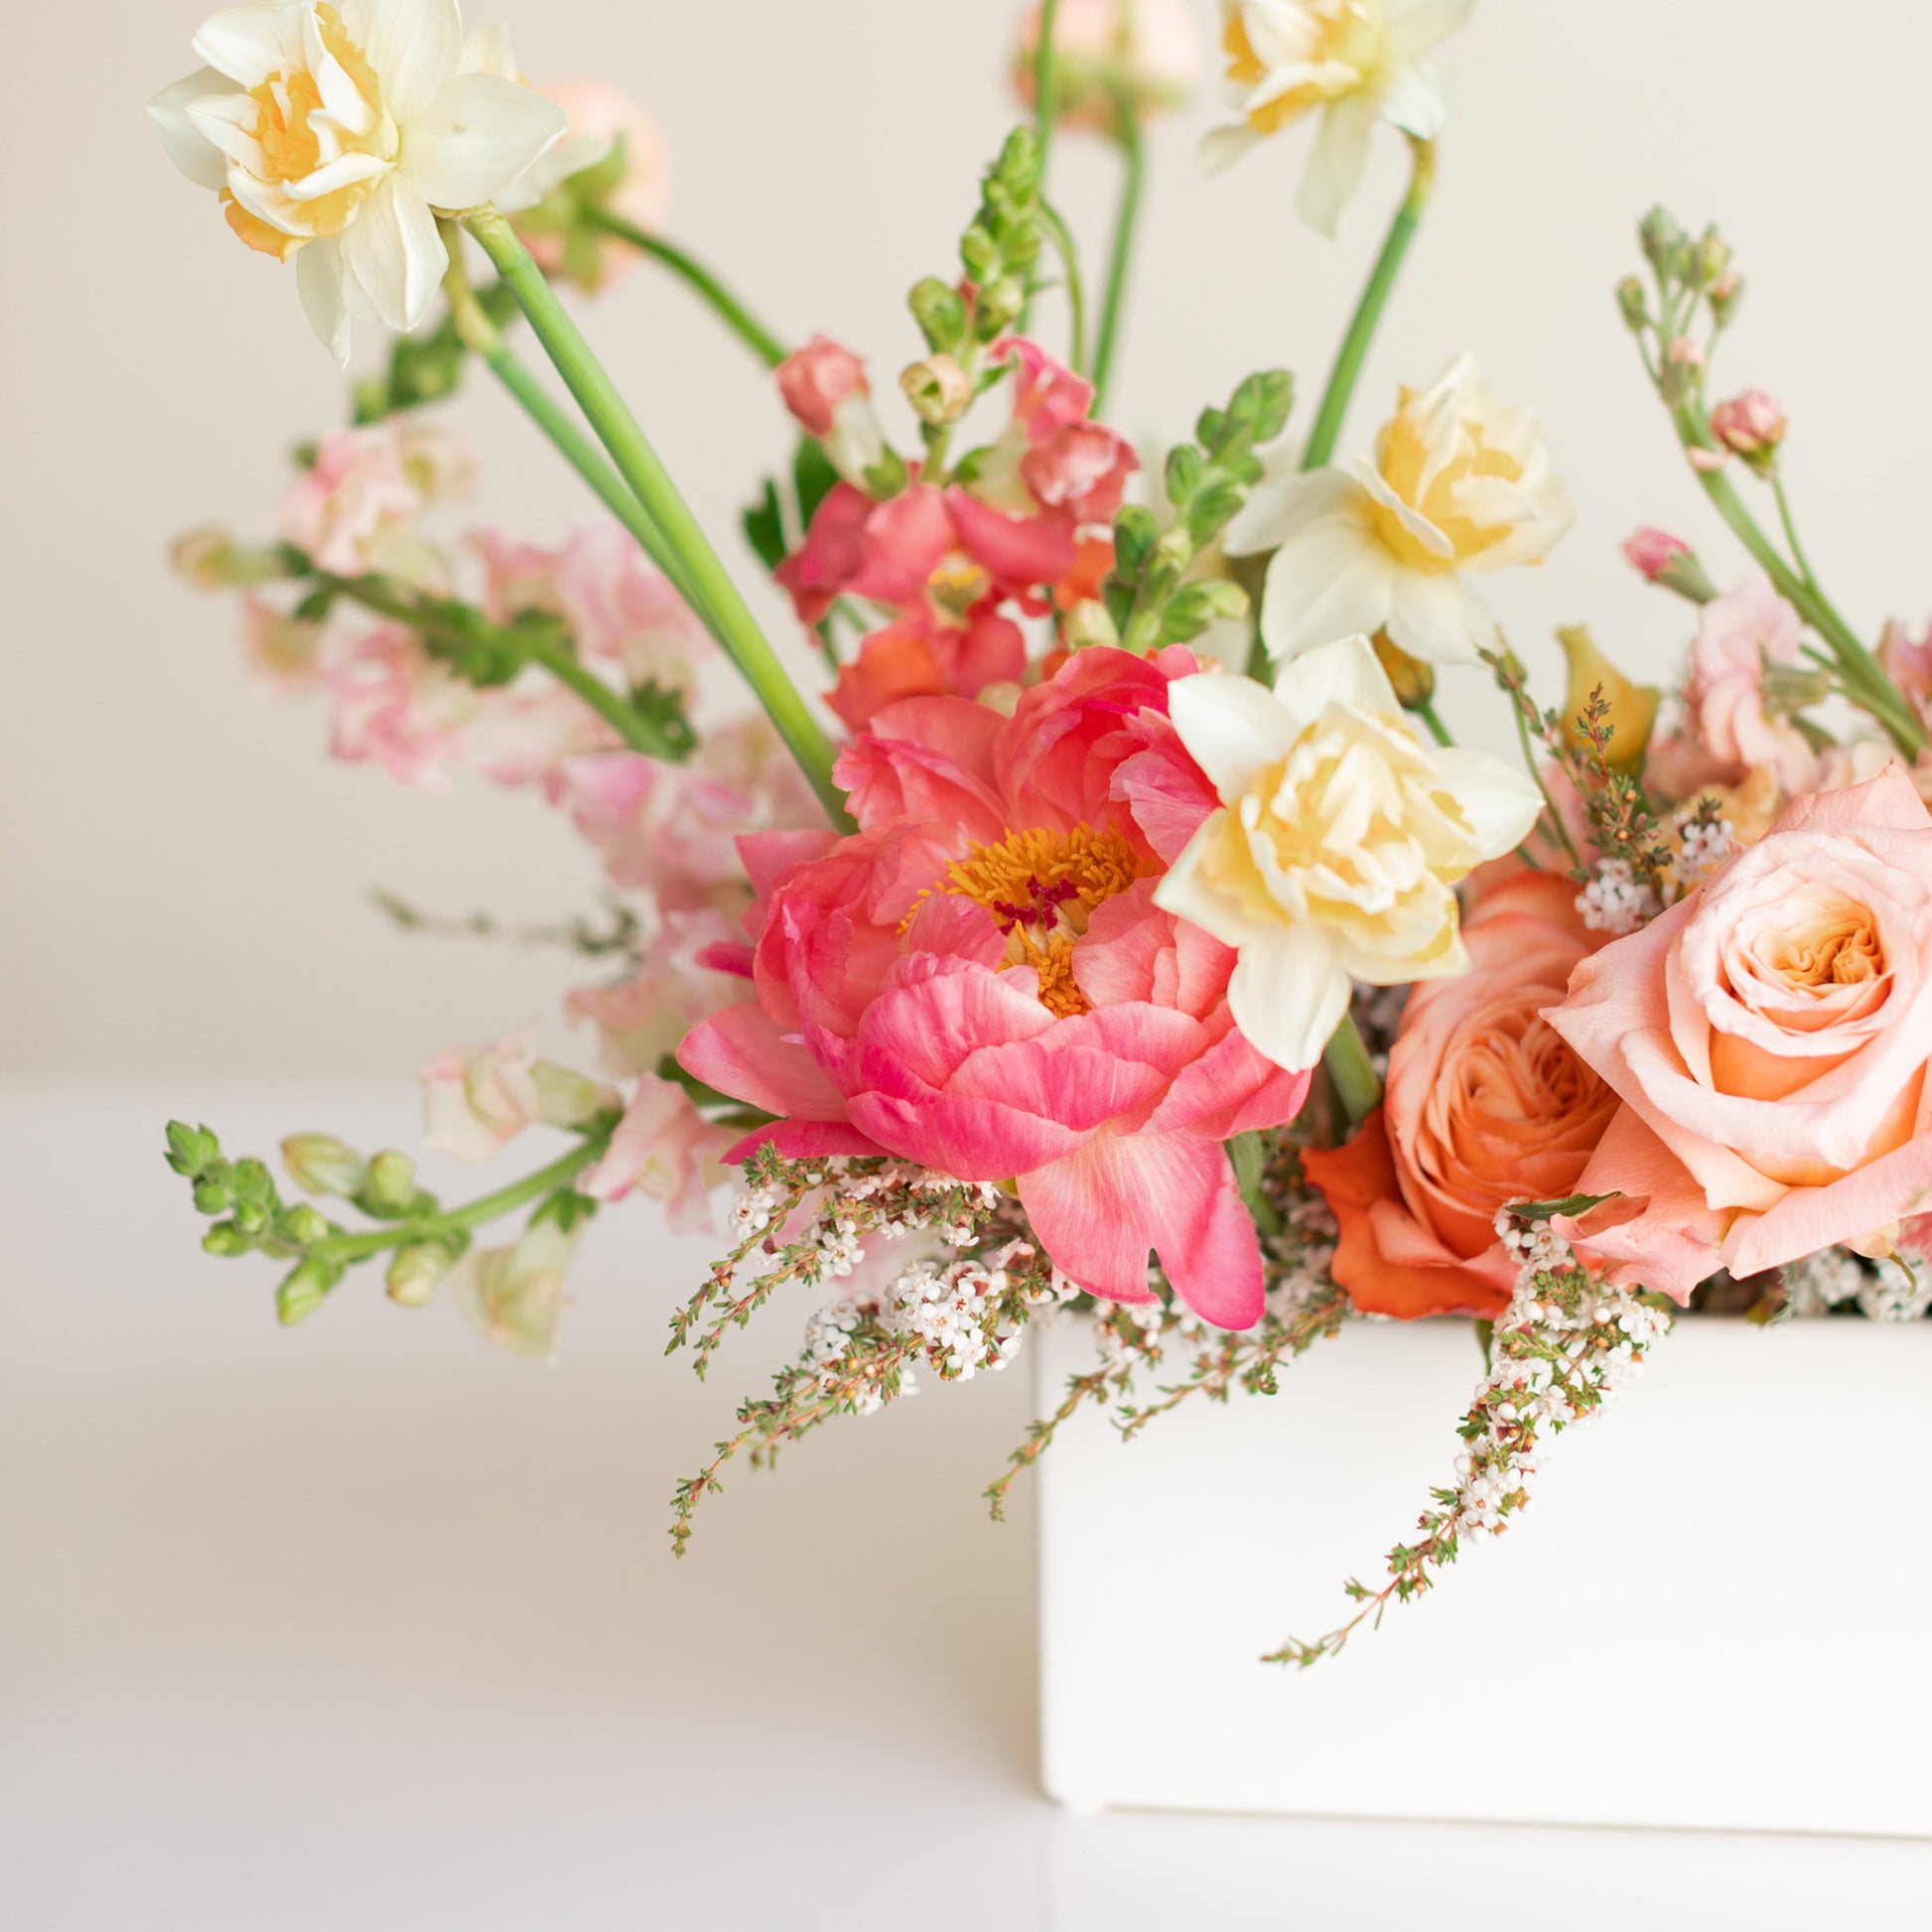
(1678, 322)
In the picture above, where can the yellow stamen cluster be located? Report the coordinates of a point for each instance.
(1041, 887)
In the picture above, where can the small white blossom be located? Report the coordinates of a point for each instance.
(1614, 902)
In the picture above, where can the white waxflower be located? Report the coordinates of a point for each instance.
(1341, 835)
(1459, 485)
(1355, 62)
(334, 135)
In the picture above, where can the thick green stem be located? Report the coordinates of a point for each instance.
(1352, 1074)
(1368, 312)
(387, 600)
(718, 599)
(1126, 222)
(460, 1220)
(725, 305)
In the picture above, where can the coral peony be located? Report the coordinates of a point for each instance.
(980, 980)
(1771, 1037)
(1485, 1106)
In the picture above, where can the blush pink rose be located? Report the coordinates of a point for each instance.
(1485, 1105)
(979, 981)
(1769, 1038)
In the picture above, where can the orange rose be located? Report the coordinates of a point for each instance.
(1486, 1105)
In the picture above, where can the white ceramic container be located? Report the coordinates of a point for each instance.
(1716, 1613)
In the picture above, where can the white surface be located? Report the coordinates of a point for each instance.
(173, 845)
(366, 1630)
(1715, 1577)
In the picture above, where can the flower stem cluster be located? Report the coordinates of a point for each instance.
(1678, 322)
(1566, 1347)
(1148, 597)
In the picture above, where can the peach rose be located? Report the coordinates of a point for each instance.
(1485, 1106)
(1769, 1038)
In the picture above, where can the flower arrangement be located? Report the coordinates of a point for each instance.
(1112, 924)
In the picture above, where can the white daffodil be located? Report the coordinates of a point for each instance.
(1341, 835)
(334, 136)
(1459, 485)
(1356, 61)
(487, 50)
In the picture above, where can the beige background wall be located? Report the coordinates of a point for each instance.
(180, 869)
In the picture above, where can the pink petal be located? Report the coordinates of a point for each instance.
(742, 1053)
(804, 1139)
(1020, 552)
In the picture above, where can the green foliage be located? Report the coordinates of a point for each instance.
(998, 252)
(1149, 596)
(426, 368)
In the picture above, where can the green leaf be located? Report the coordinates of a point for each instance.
(813, 477)
(765, 527)
(1570, 1206)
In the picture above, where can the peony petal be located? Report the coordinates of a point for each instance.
(804, 1139)
(184, 143)
(477, 136)
(319, 281)
(1207, 1240)
(741, 1051)
(1347, 672)
(1232, 727)
(414, 46)
(392, 252)
(249, 44)
(1290, 993)
(1338, 162)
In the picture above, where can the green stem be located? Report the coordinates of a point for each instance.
(1438, 731)
(460, 1220)
(1353, 1073)
(1133, 180)
(1368, 312)
(481, 337)
(1076, 292)
(1046, 83)
(725, 305)
(720, 600)
(1791, 532)
(424, 614)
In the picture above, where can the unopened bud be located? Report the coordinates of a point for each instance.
(214, 1195)
(940, 314)
(1711, 258)
(303, 1292)
(1751, 426)
(1633, 707)
(1671, 562)
(1630, 300)
(1660, 238)
(251, 1217)
(1413, 680)
(999, 306)
(567, 1098)
(939, 389)
(304, 1226)
(416, 1273)
(202, 557)
(391, 1186)
(1088, 624)
(1725, 292)
(226, 1240)
(320, 1164)
(1682, 369)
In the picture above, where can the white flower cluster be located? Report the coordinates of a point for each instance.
(1885, 1291)
(1529, 1396)
(1703, 850)
(1615, 901)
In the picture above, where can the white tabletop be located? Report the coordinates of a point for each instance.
(366, 1627)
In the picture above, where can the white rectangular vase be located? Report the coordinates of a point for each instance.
(1714, 1612)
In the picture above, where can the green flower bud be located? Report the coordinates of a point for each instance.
(192, 1150)
(390, 1191)
(939, 389)
(416, 1273)
(252, 1181)
(1088, 624)
(1630, 300)
(225, 1240)
(251, 1217)
(1414, 680)
(303, 1292)
(1661, 240)
(940, 314)
(999, 306)
(214, 1196)
(1725, 296)
(320, 1164)
(304, 1226)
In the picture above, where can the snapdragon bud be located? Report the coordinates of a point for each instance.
(1726, 293)
(417, 1272)
(320, 1164)
(1088, 624)
(1001, 305)
(304, 1226)
(391, 1185)
(939, 389)
(303, 1292)
(1683, 370)
(1661, 239)
(940, 314)
(1631, 301)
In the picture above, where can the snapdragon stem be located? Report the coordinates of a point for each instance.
(481, 337)
(1126, 222)
(1047, 82)
(724, 304)
(1076, 291)
(718, 599)
(461, 1220)
(385, 600)
(1368, 312)
(1353, 1073)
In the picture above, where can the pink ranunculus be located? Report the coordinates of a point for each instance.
(1651, 549)
(1749, 424)
(354, 508)
(815, 379)
(1769, 1038)
(665, 1148)
(695, 966)
(992, 993)
(1728, 731)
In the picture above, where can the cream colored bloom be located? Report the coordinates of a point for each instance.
(1458, 485)
(1355, 62)
(487, 50)
(333, 136)
(1340, 839)
(514, 1297)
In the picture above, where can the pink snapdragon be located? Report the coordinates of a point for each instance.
(354, 508)
(979, 981)
(816, 379)
(477, 1099)
(666, 1150)
(697, 964)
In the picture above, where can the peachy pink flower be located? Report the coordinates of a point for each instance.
(477, 1099)
(815, 379)
(665, 1148)
(979, 981)
(355, 507)
(696, 965)
(1651, 549)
